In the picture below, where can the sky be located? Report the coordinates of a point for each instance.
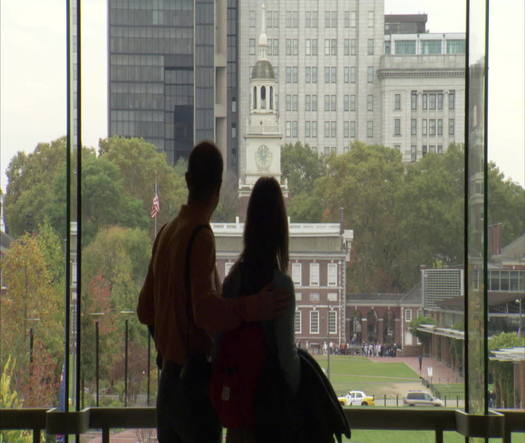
(32, 73)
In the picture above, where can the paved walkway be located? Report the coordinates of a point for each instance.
(440, 372)
(129, 436)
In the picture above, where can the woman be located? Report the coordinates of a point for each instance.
(265, 260)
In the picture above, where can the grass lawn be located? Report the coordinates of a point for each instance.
(359, 373)
(451, 390)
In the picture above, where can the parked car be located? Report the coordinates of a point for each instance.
(356, 398)
(420, 398)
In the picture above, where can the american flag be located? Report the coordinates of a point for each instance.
(155, 206)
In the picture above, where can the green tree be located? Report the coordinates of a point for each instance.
(506, 204)
(416, 323)
(431, 213)
(301, 167)
(114, 267)
(365, 182)
(30, 189)
(141, 165)
(9, 400)
(32, 302)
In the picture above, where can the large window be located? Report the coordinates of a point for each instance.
(76, 236)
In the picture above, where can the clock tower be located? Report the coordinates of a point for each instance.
(263, 136)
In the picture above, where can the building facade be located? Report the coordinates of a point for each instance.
(338, 65)
(167, 73)
(318, 258)
(318, 251)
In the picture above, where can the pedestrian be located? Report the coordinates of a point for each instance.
(181, 304)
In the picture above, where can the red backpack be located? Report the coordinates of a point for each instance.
(235, 374)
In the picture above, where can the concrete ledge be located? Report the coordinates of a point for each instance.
(485, 426)
(72, 422)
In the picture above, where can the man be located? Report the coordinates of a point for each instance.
(183, 322)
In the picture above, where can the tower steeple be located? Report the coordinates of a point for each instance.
(263, 38)
(263, 135)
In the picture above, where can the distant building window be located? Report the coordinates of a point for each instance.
(307, 131)
(413, 153)
(314, 274)
(425, 101)
(371, 74)
(346, 129)
(330, 46)
(431, 47)
(352, 129)
(440, 126)
(272, 19)
(370, 128)
(440, 101)
(397, 126)
(296, 274)
(314, 322)
(455, 46)
(311, 19)
(346, 19)
(451, 99)
(388, 47)
(292, 46)
(288, 129)
(371, 19)
(332, 296)
(352, 103)
(353, 19)
(424, 150)
(370, 46)
(432, 127)
(330, 19)
(413, 126)
(413, 100)
(297, 322)
(251, 45)
(424, 126)
(397, 102)
(451, 130)
(346, 103)
(252, 18)
(408, 314)
(440, 149)
(405, 47)
(397, 147)
(432, 102)
(332, 274)
(311, 46)
(369, 102)
(234, 130)
(432, 149)
(346, 46)
(314, 128)
(353, 74)
(332, 322)
(315, 297)
(295, 129)
(292, 19)
(227, 268)
(298, 296)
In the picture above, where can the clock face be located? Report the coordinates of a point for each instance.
(263, 158)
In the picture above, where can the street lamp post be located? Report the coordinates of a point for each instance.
(126, 336)
(97, 356)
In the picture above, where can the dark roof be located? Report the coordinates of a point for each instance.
(398, 298)
(405, 18)
(263, 69)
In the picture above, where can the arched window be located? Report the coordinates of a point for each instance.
(263, 97)
(255, 97)
(271, 97)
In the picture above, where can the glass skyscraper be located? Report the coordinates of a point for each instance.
(167, 73)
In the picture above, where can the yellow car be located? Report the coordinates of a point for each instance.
(357, 398)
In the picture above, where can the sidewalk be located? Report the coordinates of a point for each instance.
(440, 372)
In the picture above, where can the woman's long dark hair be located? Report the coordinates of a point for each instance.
(265, 236)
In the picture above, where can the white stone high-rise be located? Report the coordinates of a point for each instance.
(341, 75)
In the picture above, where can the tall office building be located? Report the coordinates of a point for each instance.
(344, 68)
(168, 73)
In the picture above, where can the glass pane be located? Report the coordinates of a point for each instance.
(476, 203)
(506, 199)
(32, 199)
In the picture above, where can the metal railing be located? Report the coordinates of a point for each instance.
(498, 424)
